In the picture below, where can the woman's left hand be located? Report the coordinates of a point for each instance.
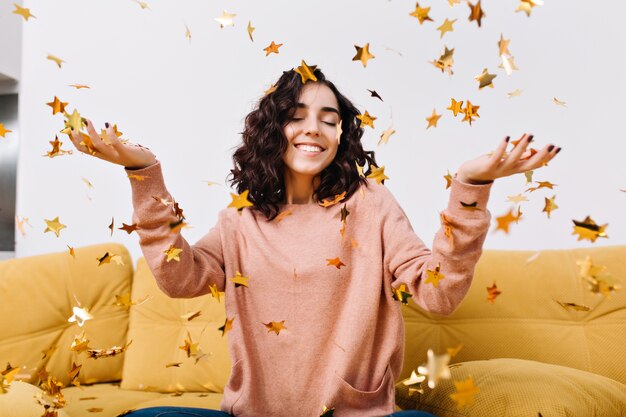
(486, 168)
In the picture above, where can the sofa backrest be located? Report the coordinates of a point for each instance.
(37, 297)
(526, 321)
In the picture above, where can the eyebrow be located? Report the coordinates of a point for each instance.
(325, 109)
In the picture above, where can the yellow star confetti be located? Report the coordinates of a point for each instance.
(23, 11)
(240, 201)
(559, 102)
(240, 280)
(80, 316)
(384, 137)
(363, 54)
(455, 107)
(172, 253)
(54, 226)
(56, 59)
(434, 276)
(527, 5)
(515, 93)
(378, 174)
(446, 27)
(445, 61)
(401, 294)
(250, 30)
(550, 205)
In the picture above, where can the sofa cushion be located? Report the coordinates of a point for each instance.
(158, 329)
(20, 401)
(38, 294)
(516, 387)
(525, 321)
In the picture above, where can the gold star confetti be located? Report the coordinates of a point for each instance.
(327, 412)
(465, 392)
(306, 72)
(446, 27)
(190, 347)
(215, 293)
(542, 184)
(105, 353)
(384, 137)
(3, 130)
(573, 306)
(401, 294)
(435, 368)
(226, 19)
(485, 79)
(414, 379)
(434, 276)
(476, 13)
(56, 59)
(508, 64)
(455, 107)
(125, 301)
(366, 119)
(378, 174)
(187, 33)
(240, 280)
(80, 316)
(57, 105)
(550, 205)
(588, 229)
(527, 5)
(515, 93)
(228, 324)
(240, 201)
(142, 4)
(54, 226)
(503, 45)
(275, 326)
(432, 119)
(505, 221)
(421, 13)
(445, 61)
(250, 29)
(79, 86)
(23, 11)
(559, 102)
(516, 198)
(172, 253)
(492, 293)
(272, 47)
(363, 54)
(470, 111)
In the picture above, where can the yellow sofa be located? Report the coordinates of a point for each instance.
(528, 355)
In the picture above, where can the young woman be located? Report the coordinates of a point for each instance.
(311, 270)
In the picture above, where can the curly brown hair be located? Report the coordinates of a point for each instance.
(258, 162)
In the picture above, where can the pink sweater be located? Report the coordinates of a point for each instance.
(342, 345)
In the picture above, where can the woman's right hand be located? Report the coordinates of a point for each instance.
(129, 156)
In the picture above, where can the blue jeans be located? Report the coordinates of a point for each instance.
(170, 411)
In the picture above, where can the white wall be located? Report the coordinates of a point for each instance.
(187, 101)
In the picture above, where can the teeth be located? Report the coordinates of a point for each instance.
(309, 148)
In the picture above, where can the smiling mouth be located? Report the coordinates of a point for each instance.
(309, 153)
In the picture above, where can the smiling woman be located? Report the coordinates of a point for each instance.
(300, 145)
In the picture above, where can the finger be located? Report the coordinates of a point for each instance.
(498, 154)
(115, 142)
(76, 139)
(540, 159)
(519, 149)
(96, 140)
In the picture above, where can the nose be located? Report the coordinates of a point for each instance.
(311, 128)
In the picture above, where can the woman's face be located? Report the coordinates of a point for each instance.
(315, 123)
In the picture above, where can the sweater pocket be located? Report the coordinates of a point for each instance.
(234, 388)
(349, 397)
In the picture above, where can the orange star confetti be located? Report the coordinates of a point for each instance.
(550, 205)
(470, 112)
(363, 54)
(432, 119)
(272, 47)
(57, 105)
(505, 221)
(492, 293)
(4, 131)
(275, 326)
(455, 107)
(465, 392)
(366, 119)
(476, 12)
(335, 262)
(228, 324)
(421, 13)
